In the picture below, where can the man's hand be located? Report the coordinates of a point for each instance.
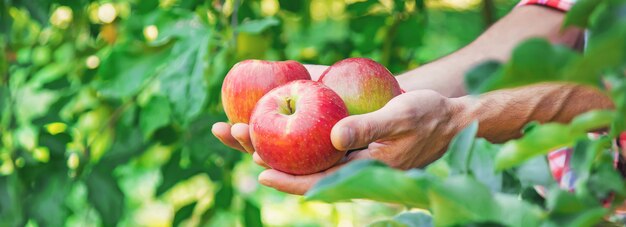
(412, 130)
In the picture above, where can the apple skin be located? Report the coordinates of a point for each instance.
(249, 80)
(363, 84)
(290, 127)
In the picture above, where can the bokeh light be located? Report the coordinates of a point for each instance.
(107, 13)
(151, 32)
(92, 62)
(61, 17)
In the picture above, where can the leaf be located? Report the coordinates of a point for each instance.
(482, 164)
(127, 144)
(45, 202)
(533, 61)
(251, 214)
(258, 26)
(452, 204)
(407, 219)
(535, 172)
(183, 83)
(369, 179)
(293, 6)
(580, 13)
(525, 214)
(416, 23)
(547, 137)
(567, 209)
(154, 115)
(461, 200)
(478, 78)
(361, 8)
(460, 149)
(172, 173)
(106, 196)
(124, 72)
(183, 213)
(11, 208)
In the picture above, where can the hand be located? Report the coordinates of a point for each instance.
(411, 131)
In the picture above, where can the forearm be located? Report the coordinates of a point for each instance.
(446, 75)
(502, 114)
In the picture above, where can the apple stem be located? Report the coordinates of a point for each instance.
(291, 106)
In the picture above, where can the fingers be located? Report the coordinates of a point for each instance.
(222, 132)
(241, 133)
(291, 184)
(257, 159)
(358, 131)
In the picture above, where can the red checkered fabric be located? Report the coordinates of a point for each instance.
(559, 159)
(563, 5)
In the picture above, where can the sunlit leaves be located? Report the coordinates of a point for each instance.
(361, 179)
(548, 137)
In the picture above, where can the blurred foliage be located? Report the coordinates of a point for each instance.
(107, 106)
(479, 183)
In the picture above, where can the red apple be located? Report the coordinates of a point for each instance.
(290, 127)
(363, 84)
(249, 80)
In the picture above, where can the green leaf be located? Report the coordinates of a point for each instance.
(567, 209)
(524, 214)
(293, 6)
(459, 152)
(127, 144)
(183, 83)
(183, 213)
(369, 179)
(258, 26)
(106, 196)
(547, 137)
(154, 115)
(11, 208)
(533, 61)
(407, 219)
(45, 203)
(482, 164)
(460, 200)
(172, 173)
(580, 13)
(535, 172)
(478, 79)
(251, 214)
(361, 8)
(126, 70)
(416, 22)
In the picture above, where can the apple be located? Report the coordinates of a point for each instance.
(363, 84)
(290, 127)
(249, 80)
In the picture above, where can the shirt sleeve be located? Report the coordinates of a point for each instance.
(563, 5)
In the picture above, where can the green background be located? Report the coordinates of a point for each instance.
(106, 106)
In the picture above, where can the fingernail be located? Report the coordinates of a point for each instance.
(349, 135)
(263, 179)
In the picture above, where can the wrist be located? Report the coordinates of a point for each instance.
(462, 112)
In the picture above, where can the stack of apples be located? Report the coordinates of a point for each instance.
(290, 116)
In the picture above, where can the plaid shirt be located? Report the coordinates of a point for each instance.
(559, 160)
(563, 5)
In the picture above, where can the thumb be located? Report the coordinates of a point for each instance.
(357, 131)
